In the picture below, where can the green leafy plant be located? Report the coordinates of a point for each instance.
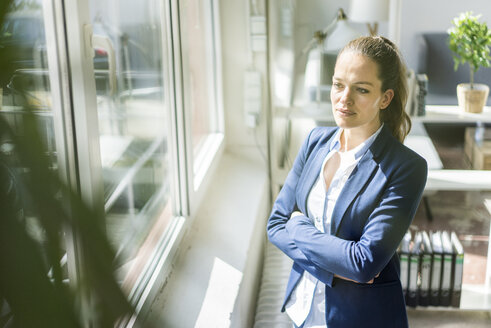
(470, 40)
(33, 290)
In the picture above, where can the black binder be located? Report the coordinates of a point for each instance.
(436, 268)
(458, 269)
(425, 269)
(448, 259)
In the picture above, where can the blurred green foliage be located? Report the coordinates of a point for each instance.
(34, 291)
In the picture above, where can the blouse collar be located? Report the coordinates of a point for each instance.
(359, 150)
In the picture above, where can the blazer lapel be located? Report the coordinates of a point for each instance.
(311, 172)
(358, 178)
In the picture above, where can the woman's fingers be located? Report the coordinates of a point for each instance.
(344, 278)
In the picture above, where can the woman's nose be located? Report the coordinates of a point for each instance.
(346, 96)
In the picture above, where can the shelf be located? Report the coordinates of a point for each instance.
(434, 114)
(473, 298)
(452, 114)
(458, 180)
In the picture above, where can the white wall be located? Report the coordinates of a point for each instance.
(237, 58)
(290, 53)
(420, 16)
(310, 16)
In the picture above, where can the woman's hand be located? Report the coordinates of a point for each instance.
(344, 278)
(296, 213)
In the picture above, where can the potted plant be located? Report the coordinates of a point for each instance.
(470, 40)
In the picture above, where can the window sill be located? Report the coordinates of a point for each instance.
(215, 277)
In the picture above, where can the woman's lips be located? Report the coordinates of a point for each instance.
(344, 112)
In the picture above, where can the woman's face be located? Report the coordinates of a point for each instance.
(356, 94)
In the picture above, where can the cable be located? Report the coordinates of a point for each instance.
(256, 140)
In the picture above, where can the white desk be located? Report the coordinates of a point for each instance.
(419, 141)
(439, 178)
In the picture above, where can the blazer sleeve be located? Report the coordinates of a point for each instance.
(362, 260)
(283, 207)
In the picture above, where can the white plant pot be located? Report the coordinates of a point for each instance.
(472, 100)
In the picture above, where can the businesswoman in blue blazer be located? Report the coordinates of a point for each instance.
(350, 196)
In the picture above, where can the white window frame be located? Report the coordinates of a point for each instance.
(189, 186)
(59, 77)
(73, 88)
(201, 167)
(86, 137)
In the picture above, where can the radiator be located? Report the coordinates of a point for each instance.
(274, 278)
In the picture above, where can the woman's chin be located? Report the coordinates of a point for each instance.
(343, 122)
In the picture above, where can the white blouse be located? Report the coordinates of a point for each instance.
(307, 301)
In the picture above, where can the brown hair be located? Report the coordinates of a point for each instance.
(392, 73)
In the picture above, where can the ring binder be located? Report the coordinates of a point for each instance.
(404, 260)
(414, 263)
(436, 268)
(432, 266)
(426, 259)
(458, 270)
(448, 256)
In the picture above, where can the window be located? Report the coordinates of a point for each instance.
(112, 123)
(25, 86)
(133, 134)
(26, 80)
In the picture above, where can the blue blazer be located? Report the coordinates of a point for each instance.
(370, 218)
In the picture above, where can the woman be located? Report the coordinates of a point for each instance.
(350, 197)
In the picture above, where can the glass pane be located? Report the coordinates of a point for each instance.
(133, 128)
(199, 70)
(25, 88)
(22, 38)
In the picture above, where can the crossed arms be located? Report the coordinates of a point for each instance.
(326, 255)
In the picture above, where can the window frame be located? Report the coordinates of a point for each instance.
(200, 168)
(79, 123)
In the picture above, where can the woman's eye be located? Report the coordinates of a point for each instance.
(361, 90)
(338, 85)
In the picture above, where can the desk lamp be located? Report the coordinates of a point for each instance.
(370, 12)
(322, 50)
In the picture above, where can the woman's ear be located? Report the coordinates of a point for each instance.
(387, 98)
